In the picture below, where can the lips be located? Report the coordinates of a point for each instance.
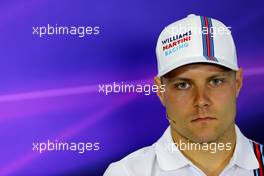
(203, 119)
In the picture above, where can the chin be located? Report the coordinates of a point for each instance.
(206, 139)
(205, 132)
(204, 136)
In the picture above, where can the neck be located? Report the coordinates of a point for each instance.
(210, 157)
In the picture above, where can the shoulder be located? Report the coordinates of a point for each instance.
(133, 163)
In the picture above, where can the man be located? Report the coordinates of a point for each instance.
(197, 65)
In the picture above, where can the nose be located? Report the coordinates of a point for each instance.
(201, 97)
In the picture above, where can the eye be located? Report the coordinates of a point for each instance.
(182, 85)
(216, 82)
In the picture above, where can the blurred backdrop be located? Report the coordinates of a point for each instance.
(49, 84)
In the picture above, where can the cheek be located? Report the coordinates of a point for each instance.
(176, 98)
(177, 103)
(225, 101)
(226, 93)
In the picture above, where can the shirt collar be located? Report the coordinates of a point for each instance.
(169, 157)
(244, 155)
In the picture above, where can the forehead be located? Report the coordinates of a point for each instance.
(197, 69)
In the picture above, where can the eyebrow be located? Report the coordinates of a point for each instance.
(179, 78)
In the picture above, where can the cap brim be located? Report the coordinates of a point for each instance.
(201, 59)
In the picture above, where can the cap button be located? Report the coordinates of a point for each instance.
(191, 15)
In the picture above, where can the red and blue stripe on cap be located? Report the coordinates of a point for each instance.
(207, 36)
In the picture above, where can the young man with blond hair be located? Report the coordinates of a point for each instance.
(197, 65)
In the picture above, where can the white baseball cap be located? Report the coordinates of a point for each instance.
(195, 39)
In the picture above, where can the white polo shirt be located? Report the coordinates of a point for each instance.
(157, 160)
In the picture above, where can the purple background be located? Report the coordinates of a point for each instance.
(49, 85)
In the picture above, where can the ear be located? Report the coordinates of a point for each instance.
(239, 81)
(161, 89)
